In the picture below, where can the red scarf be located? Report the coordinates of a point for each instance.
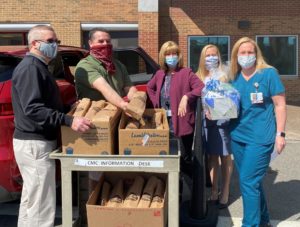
(104, 54)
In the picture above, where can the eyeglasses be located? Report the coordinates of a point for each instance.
(50, 41)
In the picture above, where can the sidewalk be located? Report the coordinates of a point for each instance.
(282, 183)
(293, 124)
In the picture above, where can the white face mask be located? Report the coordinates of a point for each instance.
(211, 62)
(246, 61)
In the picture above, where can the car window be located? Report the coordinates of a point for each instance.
(7, 66)
(140, 72)
(56, 67)
(63, 66)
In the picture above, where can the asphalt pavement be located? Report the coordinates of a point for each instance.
(282, 187)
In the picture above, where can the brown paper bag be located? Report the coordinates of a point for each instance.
(82, 107)
(134, 193)
(137, 105)
(103, 198)
(148, 192)
(95, 108)
(158, 197)
(106, 113)
(132, 124)
(157, 120)
(110, 106)
(117, 195)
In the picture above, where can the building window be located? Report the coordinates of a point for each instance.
(15, 34)
(196, 44)
(280, 52)
(15, 38)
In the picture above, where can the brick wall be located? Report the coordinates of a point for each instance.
(66, 15)
(148, 33)
(178, 19)
(175, 21)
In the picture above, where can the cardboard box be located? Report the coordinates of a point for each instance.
(144, 141)
(99, 216)
(100, 140)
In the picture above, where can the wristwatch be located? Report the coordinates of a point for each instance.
(282, 134)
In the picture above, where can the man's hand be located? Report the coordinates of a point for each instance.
(182, 106)
(81, 124)
(124, 105)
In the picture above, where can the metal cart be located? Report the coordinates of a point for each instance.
(168, 164)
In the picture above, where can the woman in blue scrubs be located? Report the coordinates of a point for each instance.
(259, 127)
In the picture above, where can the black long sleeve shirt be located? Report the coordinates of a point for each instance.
(36, 101)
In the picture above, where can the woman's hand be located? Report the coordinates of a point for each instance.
(280, 144)
(182, 106)
(207, 114)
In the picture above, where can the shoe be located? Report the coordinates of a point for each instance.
(266, 225)
(223, 205)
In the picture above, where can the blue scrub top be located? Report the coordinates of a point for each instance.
(256, 122)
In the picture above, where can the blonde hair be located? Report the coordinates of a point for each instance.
(235, 68)
(169, 47)
(202, 72)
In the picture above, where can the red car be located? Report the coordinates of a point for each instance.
(140, 67)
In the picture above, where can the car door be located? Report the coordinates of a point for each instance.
(10, 177)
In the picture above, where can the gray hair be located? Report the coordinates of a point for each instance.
(35, 33)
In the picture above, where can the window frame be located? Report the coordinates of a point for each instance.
(22, 33)
(136, 77)
(208, 36)
(19, 28)
(297, 63)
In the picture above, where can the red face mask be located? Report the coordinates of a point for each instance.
(104, 53)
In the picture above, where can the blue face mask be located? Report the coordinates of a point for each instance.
(171, 61)
(211, 62)
(246, 61)
(48, 49)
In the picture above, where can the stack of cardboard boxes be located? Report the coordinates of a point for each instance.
(139, 131)
(146, 134)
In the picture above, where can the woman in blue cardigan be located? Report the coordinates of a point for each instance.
(175, 89)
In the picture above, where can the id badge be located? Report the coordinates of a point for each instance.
(256, 97)
(169, 113)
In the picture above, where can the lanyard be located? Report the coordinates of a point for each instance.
(167, 85)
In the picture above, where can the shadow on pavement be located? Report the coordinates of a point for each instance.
(283, 197)
(12, 221)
